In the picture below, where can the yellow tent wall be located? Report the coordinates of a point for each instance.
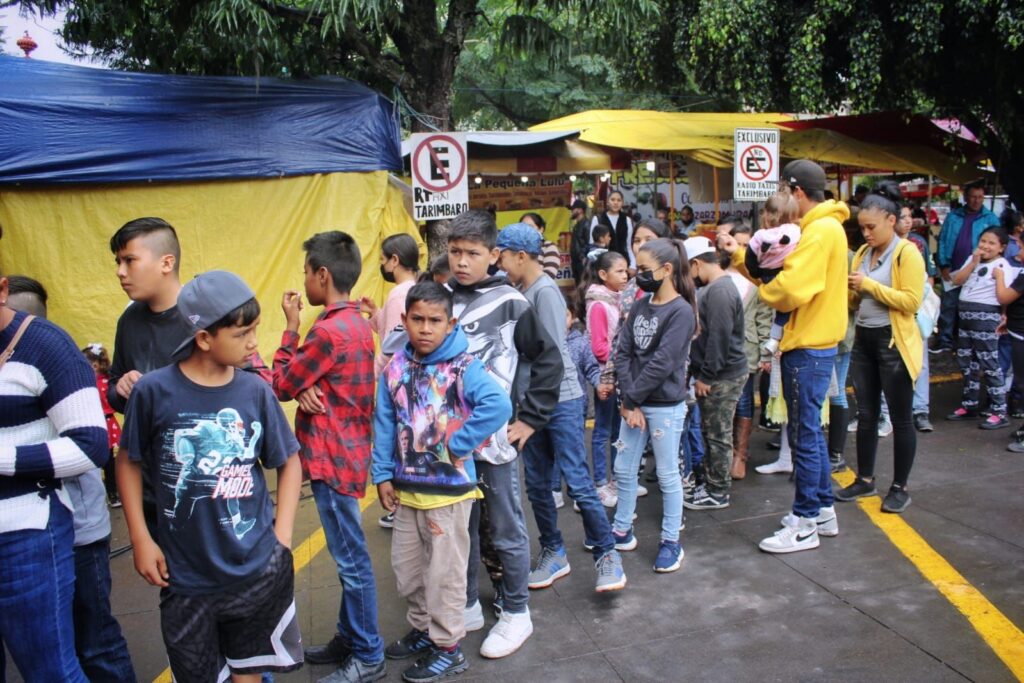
(255, 228)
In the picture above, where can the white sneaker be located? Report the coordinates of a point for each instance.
(780, 466)
(607, 496)
(576, 506)
(796, 534)
(507, 636)
(852, 427)
(641, 490)
(474, 617)
(884, 428)
(559, 499)
(827, 521)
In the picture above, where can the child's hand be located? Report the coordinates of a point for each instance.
(727, 243)
(701, 389)
(634, 418)
(150, 563)
(997, 274)
(368, 306)
(126, 383)
(388, 497)
(976, 256)
(604, 391)
(518, 433)
(309, 401)
(291, 304)
(1001, 328)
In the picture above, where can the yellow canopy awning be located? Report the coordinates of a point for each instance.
(707, 137)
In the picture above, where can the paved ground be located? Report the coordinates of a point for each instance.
(856, 609)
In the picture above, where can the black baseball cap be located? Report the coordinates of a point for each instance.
(579, 204)
(805, 174)
(207, 298)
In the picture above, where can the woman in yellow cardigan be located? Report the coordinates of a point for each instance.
(886, 285)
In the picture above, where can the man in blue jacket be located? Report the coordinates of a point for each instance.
(957, 241)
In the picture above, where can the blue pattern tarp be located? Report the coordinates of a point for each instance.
(62, 124)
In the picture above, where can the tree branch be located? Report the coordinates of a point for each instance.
(515, 117)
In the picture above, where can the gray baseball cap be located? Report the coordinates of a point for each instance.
(207, 298)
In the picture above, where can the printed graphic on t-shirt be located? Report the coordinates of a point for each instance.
(644, 329)
(425, 399)
(215, 464)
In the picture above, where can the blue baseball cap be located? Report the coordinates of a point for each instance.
(207, 298)
(520, 237)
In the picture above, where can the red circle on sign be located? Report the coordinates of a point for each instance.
(427, 145)
(743, 166)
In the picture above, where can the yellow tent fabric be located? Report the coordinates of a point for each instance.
(708, 138)
(255, 228)
(660, 131)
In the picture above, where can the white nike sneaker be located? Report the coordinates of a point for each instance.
(796, 534)
(827, 521)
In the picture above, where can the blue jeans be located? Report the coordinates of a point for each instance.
(101, 648)
(921, 386)
(665, 426)
(357, 618)
(691, 445)
(559, 446)
(606, 433)
(745, 406)
(806, 374)
(842, 367)
(37, 585)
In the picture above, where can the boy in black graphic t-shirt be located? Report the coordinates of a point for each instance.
(204, 431)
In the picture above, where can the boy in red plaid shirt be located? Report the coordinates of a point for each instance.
(331, 376)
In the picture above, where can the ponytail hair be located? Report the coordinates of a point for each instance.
(886, 197)
(673, 252)
(405, 248)
(592, 276)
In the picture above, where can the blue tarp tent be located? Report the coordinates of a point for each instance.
(72, 124)
(245, 170)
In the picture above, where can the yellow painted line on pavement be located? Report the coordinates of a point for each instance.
(301, 556)
(1001, 634)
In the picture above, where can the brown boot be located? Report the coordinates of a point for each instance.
(741, 427)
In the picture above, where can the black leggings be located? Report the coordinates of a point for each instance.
(876, 368)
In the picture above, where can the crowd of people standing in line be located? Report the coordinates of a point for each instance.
(482, 361)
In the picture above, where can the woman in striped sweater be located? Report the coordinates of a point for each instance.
(51, 427)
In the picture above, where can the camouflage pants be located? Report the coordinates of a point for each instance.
(717, 410)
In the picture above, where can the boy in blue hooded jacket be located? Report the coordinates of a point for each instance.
(436, 406)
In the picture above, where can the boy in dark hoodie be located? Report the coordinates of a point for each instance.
(433, 384)
(502, 329)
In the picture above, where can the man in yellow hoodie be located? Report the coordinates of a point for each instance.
(812, 286)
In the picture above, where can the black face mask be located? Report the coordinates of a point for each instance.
(388, 277)
(646, 282)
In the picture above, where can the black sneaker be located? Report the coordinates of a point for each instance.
(896, 500)
(411, 643)
(858, 489)
(436, 665)
(922, 423)
(357, 671)
(334, 652)
(387, 521)
(767, 425)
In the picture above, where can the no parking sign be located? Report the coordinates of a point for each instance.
(440, 184)
(756, 170)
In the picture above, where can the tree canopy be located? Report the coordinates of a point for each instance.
(501, 63)
(942, 58)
